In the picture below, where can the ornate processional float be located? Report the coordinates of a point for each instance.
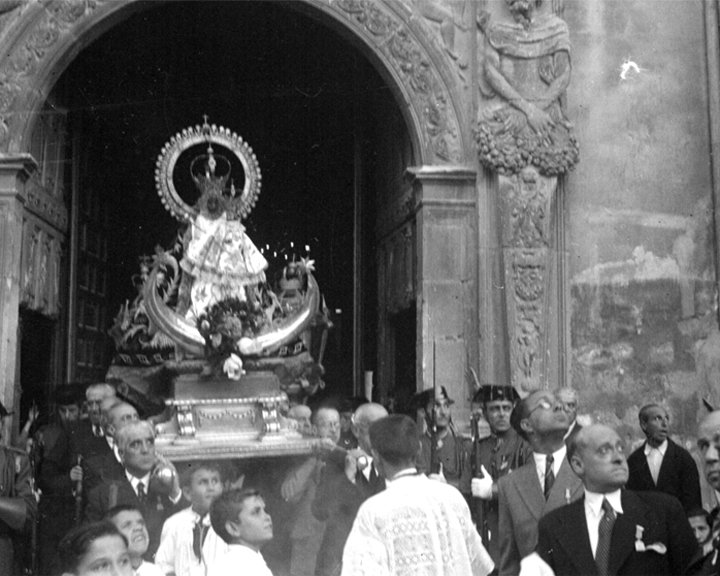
(207, 334)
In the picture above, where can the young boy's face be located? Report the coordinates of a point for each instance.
(700, 528)
(132, 525)
(254, 523)
(205, 487)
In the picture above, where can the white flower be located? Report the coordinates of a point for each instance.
(233, 367)
(307, 264)
(248, 346)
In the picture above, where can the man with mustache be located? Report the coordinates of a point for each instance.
(660, 464)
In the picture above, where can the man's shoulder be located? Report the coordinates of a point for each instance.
(179, 518)
(679, 450)
(653, 500)
(639, 452)
(521, 474)
(559, 515)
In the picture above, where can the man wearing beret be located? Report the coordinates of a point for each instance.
(494, 457)
(444, 454)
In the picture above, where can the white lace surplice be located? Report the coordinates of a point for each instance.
(417, 527)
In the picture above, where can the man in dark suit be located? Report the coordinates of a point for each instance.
(344, 488)
(135, 485)
(108, 464)
(660, 464)
(546, 482)
(612, 530)
(87, 437)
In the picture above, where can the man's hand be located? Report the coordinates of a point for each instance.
(482, 487)
(351, 463)
(76, 473)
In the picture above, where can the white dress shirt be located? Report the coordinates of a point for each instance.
(176, 554)
(134, 480)
(540, 460)
(654, 458)
(594, 512)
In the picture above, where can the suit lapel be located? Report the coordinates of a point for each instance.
(528, 485)
(623, 536)
(667, 466)
(577, 545)
(565, 482)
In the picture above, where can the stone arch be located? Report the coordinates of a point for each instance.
(39, 40)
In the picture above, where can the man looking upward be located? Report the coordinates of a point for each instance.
(613, 530)
(546, 482)
(660, 464)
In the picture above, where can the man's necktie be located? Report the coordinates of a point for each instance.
(142, 496)
(602, 554)
(549, 475)
(199, 533)
(98, 431)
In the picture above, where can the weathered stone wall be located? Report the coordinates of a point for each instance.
(640, 234)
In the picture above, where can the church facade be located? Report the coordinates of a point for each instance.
(553, 225)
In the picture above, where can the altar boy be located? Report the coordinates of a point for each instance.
(188, 544)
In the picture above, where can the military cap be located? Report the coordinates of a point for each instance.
(441, 394)
(493, 392)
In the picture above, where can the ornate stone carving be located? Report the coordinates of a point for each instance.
(526, 278)
(392, 35)
(41, 203)
(386, 30)
(524, 136)
(526, 206)
(449, 22)
(40, 288)
(18, 70)
(525, 73)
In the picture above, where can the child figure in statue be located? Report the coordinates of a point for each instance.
(220, 259)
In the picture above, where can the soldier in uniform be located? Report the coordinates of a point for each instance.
(493, 457)
(444, 452)
(18, 508)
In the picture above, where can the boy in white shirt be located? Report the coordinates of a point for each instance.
(131, 524)
(239, 517)
(188, 544)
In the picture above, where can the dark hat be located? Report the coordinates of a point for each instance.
(441, 394)
(3, 411)
(493, 392)
(421, 400)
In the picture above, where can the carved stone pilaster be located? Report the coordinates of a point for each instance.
(14, 172)
(526, 140)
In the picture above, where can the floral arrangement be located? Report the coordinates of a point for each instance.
(223, 325)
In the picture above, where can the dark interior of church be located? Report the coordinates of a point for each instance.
(300, 95)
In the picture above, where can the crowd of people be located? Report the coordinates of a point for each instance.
(533, 493)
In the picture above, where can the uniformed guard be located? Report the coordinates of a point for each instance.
(18, 507)
(444, 452)
(493, 457)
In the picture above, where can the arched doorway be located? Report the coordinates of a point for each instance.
(412, 69)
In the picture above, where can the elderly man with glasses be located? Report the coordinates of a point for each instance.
(546, 482)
